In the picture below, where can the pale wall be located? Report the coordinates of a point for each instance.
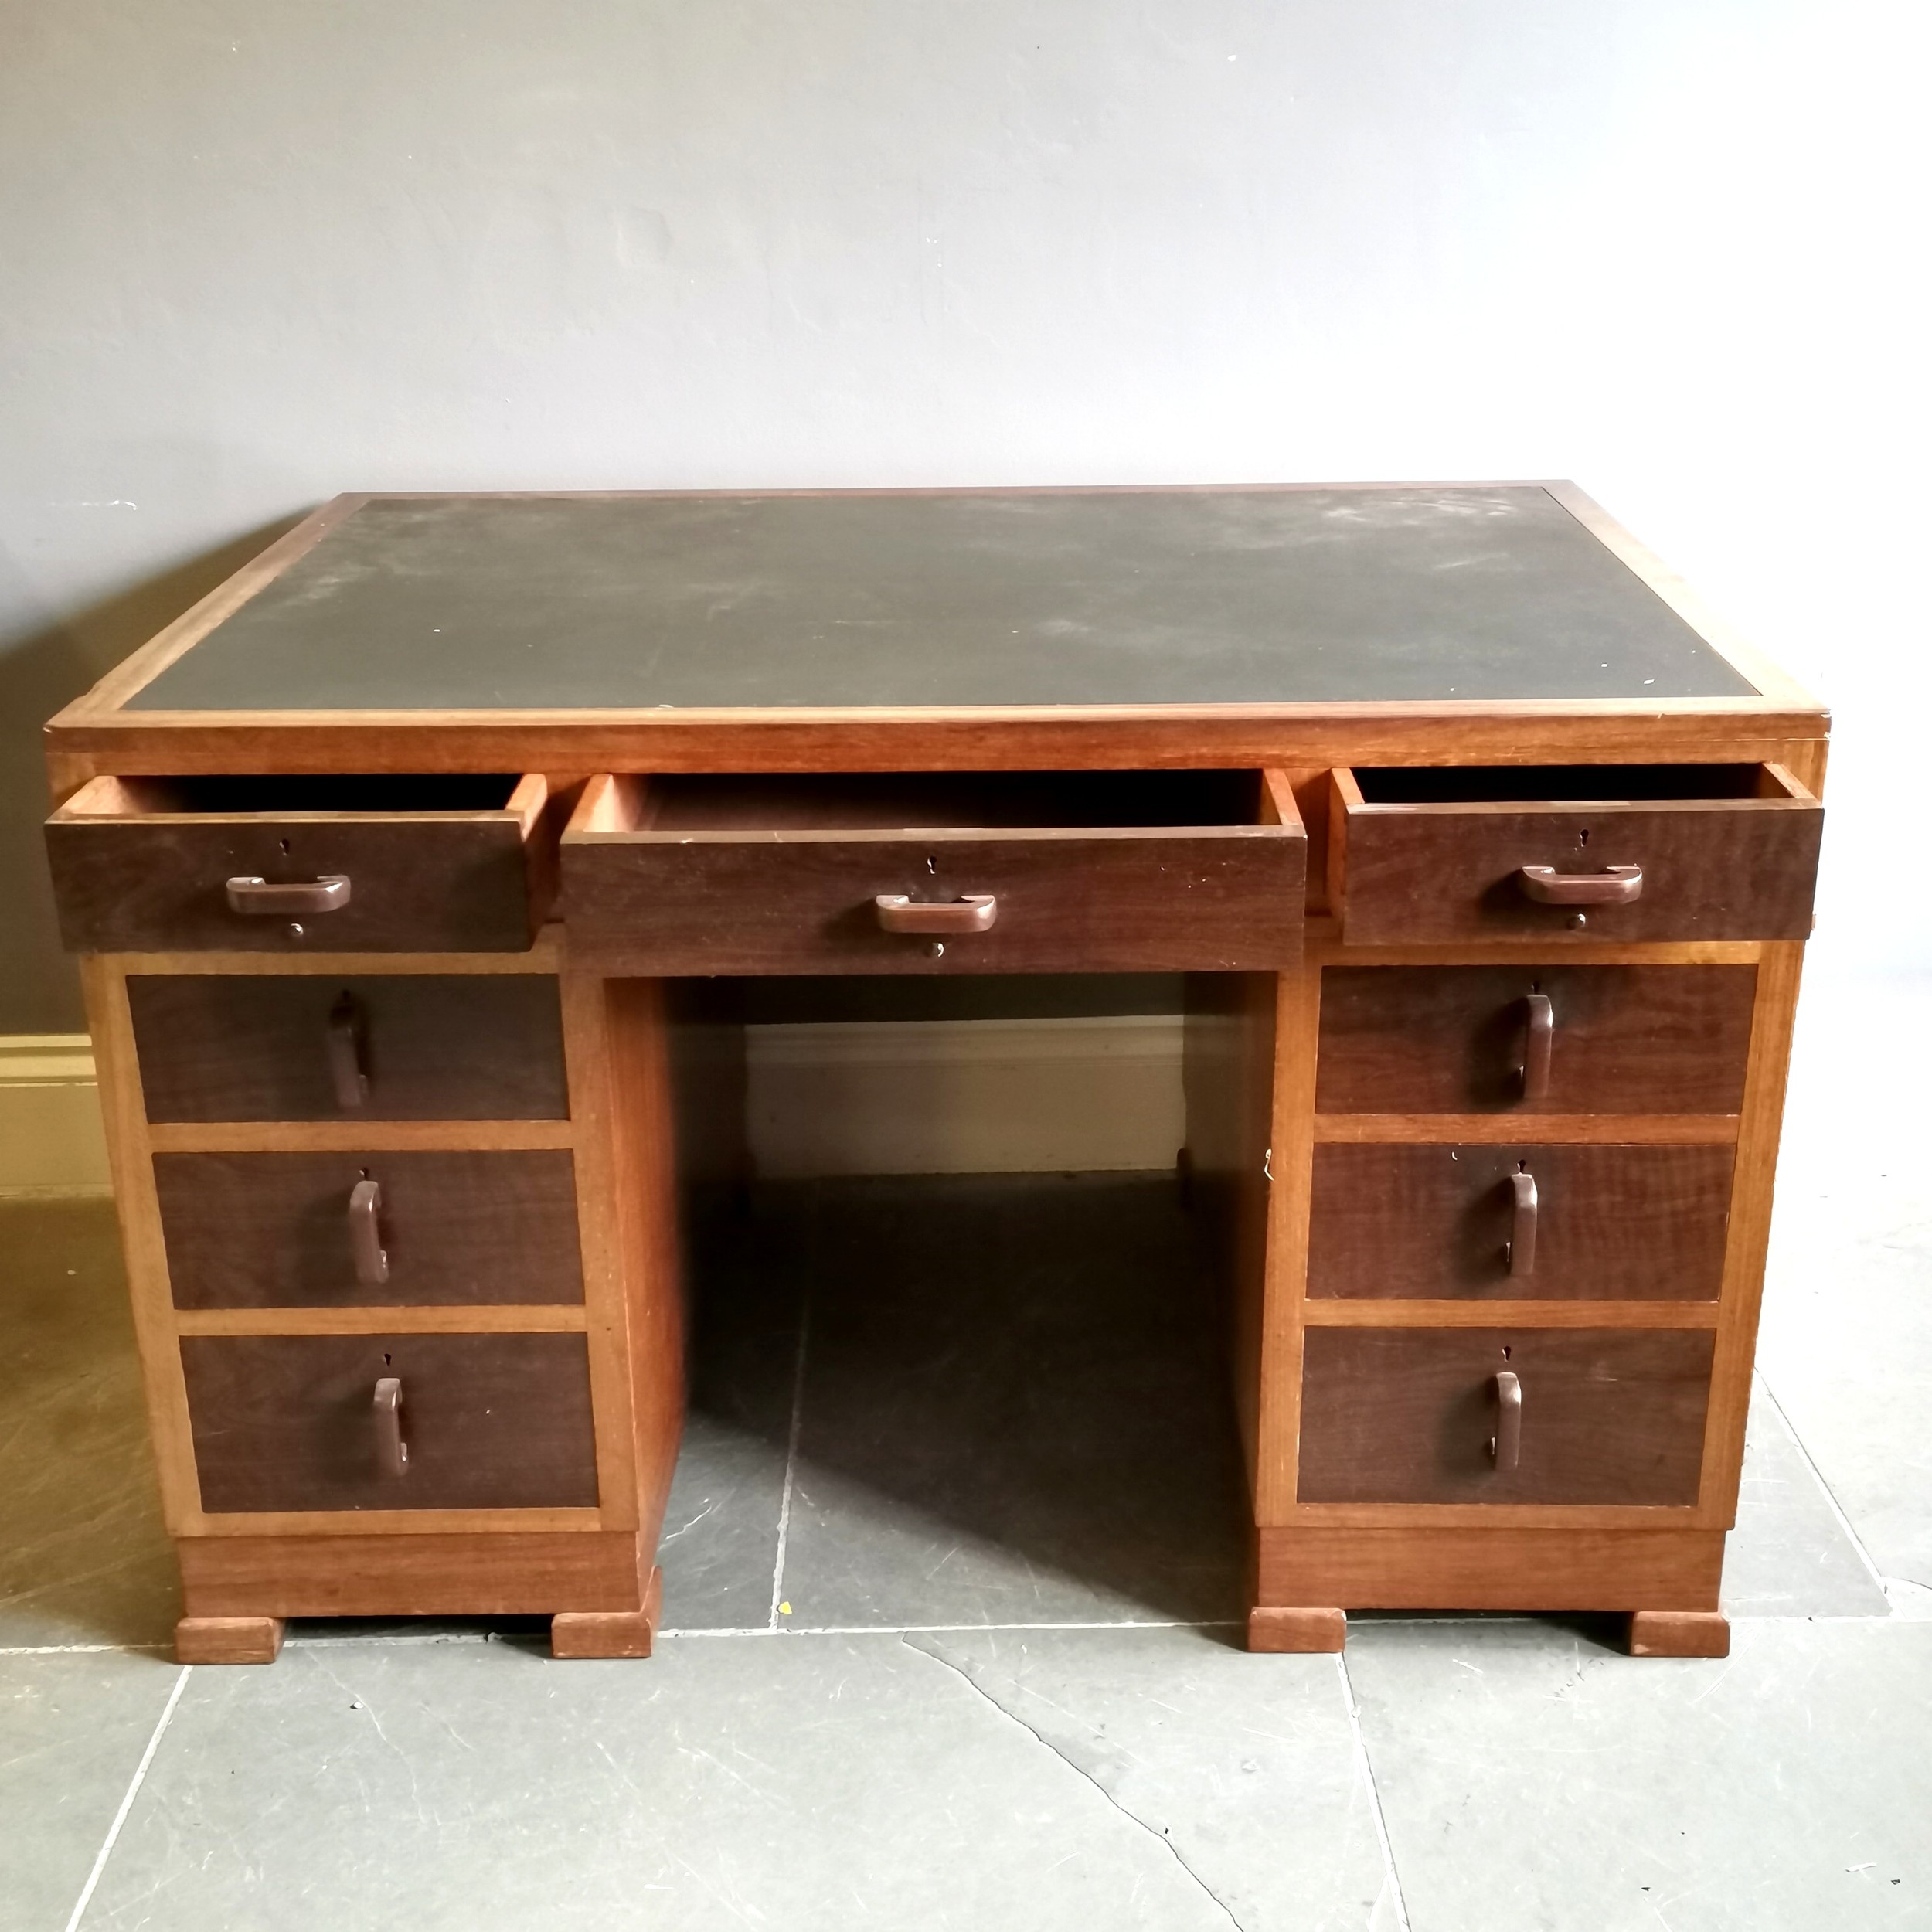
(256, 254)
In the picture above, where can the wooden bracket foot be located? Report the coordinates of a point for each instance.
(227, 1640)
(609, 1633)
(1297, 1630)
(1679, 1633)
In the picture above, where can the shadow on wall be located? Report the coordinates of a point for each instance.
(45, 670)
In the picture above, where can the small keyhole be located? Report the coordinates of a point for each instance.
(363, 1172)
(932, 865)
(1506, 1355)
(1583, 838)
(284, 844)
(1522, 1167)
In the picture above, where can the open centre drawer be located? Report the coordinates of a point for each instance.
(444, 862)
(1582, 852)
(965, 872)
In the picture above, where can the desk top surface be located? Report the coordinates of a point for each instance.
(863, 601)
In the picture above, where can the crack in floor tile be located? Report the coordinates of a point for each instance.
(1153, 1831)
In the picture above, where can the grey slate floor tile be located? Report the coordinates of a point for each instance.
(83, 1558)
(719, 1543)
(807, 1783)
(1846, 1343)
(1790, 1556)
(1010, 1397)
(1013, 1394)
(72, 1729)
(1246, 1767)
(1532, 1780)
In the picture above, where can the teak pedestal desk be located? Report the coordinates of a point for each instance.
(1488, 852)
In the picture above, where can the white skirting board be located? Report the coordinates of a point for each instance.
(50, 1137)
(965, 1096)
(890, 1097)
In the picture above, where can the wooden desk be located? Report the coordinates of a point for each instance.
(1488, 850)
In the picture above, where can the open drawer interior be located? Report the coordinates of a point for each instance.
(1565, 784)
(452, 861)
(838, 803)
(1717, 850)
(384, 795)
(953, 871)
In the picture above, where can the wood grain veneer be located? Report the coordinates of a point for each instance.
(142, 865)
(228, 1640)
(507, 1573)
(1408, 1415)
(283, 1423)
(1675, 1048)
(1228, 1081)
(1615, 1221)
(1449, 1039)
(1490, 1566)
(214, 1047)
(1102, 873)
(272, 1230)
(1436, 854)
(1679, 1633)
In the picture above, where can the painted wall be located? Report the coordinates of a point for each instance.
(252, 254)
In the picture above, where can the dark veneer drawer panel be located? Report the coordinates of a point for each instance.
(1574, 853)
(1646, 1223)
(447, 862)
(281, 1230)
(1407, 1415)
(492, 1421)
(1452, 1039)
(265, 1047)
(1075, 872)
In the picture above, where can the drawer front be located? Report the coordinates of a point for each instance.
(1454, 1039)
(731, 895)
(288, 1046)
(387, 1230)
(1647, 1223)
(1733, 868)
(129, 881)
(490, 1421)
(1409, 1415)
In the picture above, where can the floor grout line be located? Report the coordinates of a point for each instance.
(792, 1461)
(915, 1630)
(1374, 1795)
(1831, 1502)
(127, 1801)
(87, 1649)
(369, 1639)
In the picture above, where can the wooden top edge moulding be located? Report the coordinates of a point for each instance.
(867, 629)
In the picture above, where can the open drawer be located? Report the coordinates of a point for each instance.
(1573, 852)
(451, 863)
(961, 872)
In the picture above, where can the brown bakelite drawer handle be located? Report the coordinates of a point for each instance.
(974, 913)
(1506, 1444)
(347, 1039)
(392, 1452)
(1539, 1035)
(366, 1233)
(327, 894)
(1614, 886)
(1520, 1249)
